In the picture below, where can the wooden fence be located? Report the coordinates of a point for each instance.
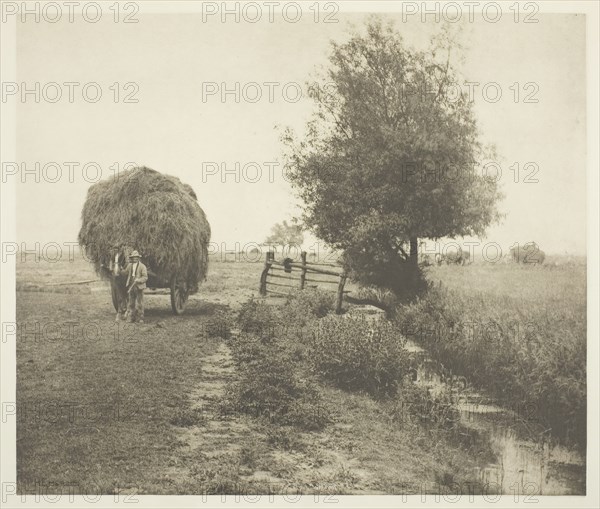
(303, 274)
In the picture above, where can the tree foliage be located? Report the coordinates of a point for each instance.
(391, 154)
(284, 234)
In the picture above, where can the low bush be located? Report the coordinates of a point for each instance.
(271, 385)
(381, 298)
(305, 306)
(218, 326)
(356, 354)
(256, 317)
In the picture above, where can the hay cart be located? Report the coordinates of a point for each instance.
(156, 214)
(177, 288)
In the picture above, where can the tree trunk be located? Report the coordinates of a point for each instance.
(414, 251)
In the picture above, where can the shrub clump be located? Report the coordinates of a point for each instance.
(306, 306)
(218, 325)
(270, 385)
(319, 302)
(355, 354)
(256, 317)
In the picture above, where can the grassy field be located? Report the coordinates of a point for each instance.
(116, 409)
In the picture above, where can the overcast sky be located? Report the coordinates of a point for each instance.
(175, 129)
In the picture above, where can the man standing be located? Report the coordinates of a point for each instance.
(119, 287)
(137, 275)
(118, 279)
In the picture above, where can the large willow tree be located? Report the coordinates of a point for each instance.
(391, 155)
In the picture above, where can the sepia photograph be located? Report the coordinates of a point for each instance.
(272, 254)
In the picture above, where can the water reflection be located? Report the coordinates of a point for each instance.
(528, 462)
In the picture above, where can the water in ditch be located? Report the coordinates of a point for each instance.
(529, 462)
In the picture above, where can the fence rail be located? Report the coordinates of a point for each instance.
(302, 269)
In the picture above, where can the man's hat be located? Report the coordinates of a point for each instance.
(134, 254)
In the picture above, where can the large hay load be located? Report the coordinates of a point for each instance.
(159, 216)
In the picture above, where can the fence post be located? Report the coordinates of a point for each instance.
(303, 275)
(263, 277)
(340, 294)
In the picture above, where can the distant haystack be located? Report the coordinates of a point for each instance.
(528, 253)
(154, 213)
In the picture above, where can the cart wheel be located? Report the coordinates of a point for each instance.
(179, 296)
(115, 295)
